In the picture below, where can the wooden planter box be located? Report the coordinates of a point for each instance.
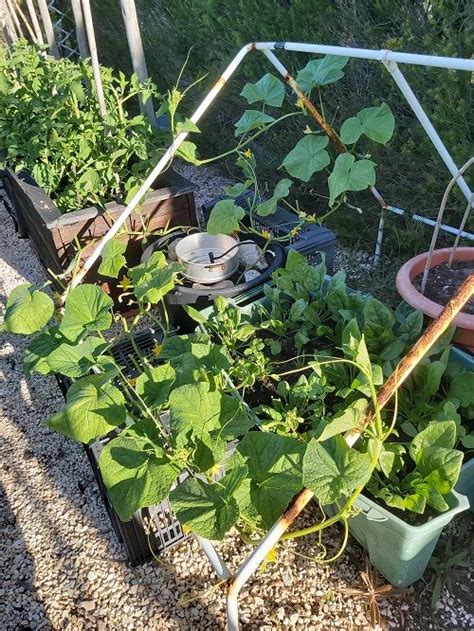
(53, 234)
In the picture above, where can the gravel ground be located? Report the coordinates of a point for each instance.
(63, 568)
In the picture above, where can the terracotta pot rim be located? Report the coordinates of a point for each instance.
(410, 294)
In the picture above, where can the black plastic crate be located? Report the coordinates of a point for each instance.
(152, 530)
(311, 241)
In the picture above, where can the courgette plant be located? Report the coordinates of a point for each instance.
(302, 393)
(343, 157)
(184, 429)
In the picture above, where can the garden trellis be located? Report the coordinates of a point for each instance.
(390, 60)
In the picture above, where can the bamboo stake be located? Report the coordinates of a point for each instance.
(10, 14)
(24, 19)
(48, 28)
(7, 25)
(80, 29)
(403, 370)
(132, 28)
(86, 9)
(35, 22)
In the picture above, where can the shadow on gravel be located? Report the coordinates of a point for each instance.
(20, 605)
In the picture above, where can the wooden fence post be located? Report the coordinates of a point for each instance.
(132, 28)
(35, 22)
(48, 28)
(9, 23)
(80, 29)
(86, 10)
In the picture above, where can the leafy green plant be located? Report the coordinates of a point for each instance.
(352, 169)
(51, 127)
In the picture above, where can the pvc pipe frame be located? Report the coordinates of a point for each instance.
(271, 538)
(384, 56)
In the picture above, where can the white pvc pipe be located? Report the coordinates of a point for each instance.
(160, 167)
(215, 559)
(452, 63)
(427, 125)
(431, 222)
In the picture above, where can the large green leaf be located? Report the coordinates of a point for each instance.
(76, 360)
(113, 258)
(274, 463)
(39, 350)
(136, 470)
(377, 123)
(154, 279)
(308, 157)
(462, 389)
(154, 384)
(251, 119)
(319, 72)
(224, 217)
(436, 434)
(268, 90)
(209, 510)
(350, 175)
(87, 309)
(439, 468)
(281, 190)
(28, 310)
(195, 406)
(234, 420)
(94, 408)
(333, 470)
(344, 420)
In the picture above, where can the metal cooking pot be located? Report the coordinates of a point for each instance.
(208, 258)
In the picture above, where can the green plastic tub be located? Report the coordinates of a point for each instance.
(465, 484)
(399, 551)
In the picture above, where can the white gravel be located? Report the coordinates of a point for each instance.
(63, 568)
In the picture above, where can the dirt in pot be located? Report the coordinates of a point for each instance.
(444, 281)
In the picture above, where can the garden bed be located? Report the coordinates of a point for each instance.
(54, 234)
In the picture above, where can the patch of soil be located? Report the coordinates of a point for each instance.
(444, 281)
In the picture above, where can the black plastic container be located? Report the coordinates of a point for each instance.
(311, 241)
(202, 297)
(151, 530)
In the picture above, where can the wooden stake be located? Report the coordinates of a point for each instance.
(80, 29)
(34, 21)
(48, 28)
(132, 28)
(9, 21)
(86, 10)
(16, 7)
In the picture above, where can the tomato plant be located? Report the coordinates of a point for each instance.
(50, 126)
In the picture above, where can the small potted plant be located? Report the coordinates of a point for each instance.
(428, 280)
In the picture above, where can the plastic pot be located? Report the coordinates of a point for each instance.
(465, 483)
(464, 322)
(202, 298)
(398, 550)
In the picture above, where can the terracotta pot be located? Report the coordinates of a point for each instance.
(464, 322)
